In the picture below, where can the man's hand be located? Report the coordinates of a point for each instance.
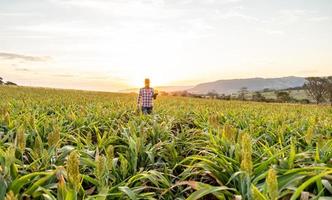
(155, 94)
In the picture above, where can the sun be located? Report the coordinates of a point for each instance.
(157, 79)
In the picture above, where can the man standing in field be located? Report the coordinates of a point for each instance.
(145, 98)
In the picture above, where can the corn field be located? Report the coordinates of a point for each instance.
(67, 144)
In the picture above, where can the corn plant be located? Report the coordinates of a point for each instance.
(68, 144)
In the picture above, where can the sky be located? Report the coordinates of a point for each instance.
(111, 45)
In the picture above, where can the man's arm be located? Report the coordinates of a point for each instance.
(154, 93)
(139, 98)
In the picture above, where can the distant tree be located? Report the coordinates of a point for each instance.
(316, 88)
(1, 81)
(224, 97)
(197, 96)
(221, 96)
(10, 83)
(257, 96)
(304, 101)
(283, 96)
(296, 88)
(242, 93)
(227, 97)
(328, 88)
(266, 90)
(212, 94)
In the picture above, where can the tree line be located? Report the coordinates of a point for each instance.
(2, 82)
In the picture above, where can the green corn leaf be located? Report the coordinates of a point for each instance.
(18, 184)
(205, 190)
(257, 195)
(39, 183)
(327, 185)
(310, 181)
(3, 187)
(128, 192)
(71, 195)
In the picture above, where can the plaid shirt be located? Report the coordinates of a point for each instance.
(145, 97)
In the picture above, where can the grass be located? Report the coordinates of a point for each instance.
(67, 144)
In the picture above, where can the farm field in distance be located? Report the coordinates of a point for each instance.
(297, 94)
(68, 144)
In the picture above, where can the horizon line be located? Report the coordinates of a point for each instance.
(123, 90)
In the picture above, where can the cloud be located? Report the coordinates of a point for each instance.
(22, 69)
(274, 32)
(63, 75)
(97, 77)
(85, 77)
(19, 14)
(99, 3)
(319, 19)
(237, 13)
(296, 15)
(14, 56)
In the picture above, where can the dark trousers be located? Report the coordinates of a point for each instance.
(147, 110)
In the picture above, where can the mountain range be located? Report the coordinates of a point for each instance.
(253, 84)
(234, 85)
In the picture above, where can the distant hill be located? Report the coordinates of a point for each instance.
(161, 88)
(253, 84)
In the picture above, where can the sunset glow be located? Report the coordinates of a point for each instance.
(113, 45)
